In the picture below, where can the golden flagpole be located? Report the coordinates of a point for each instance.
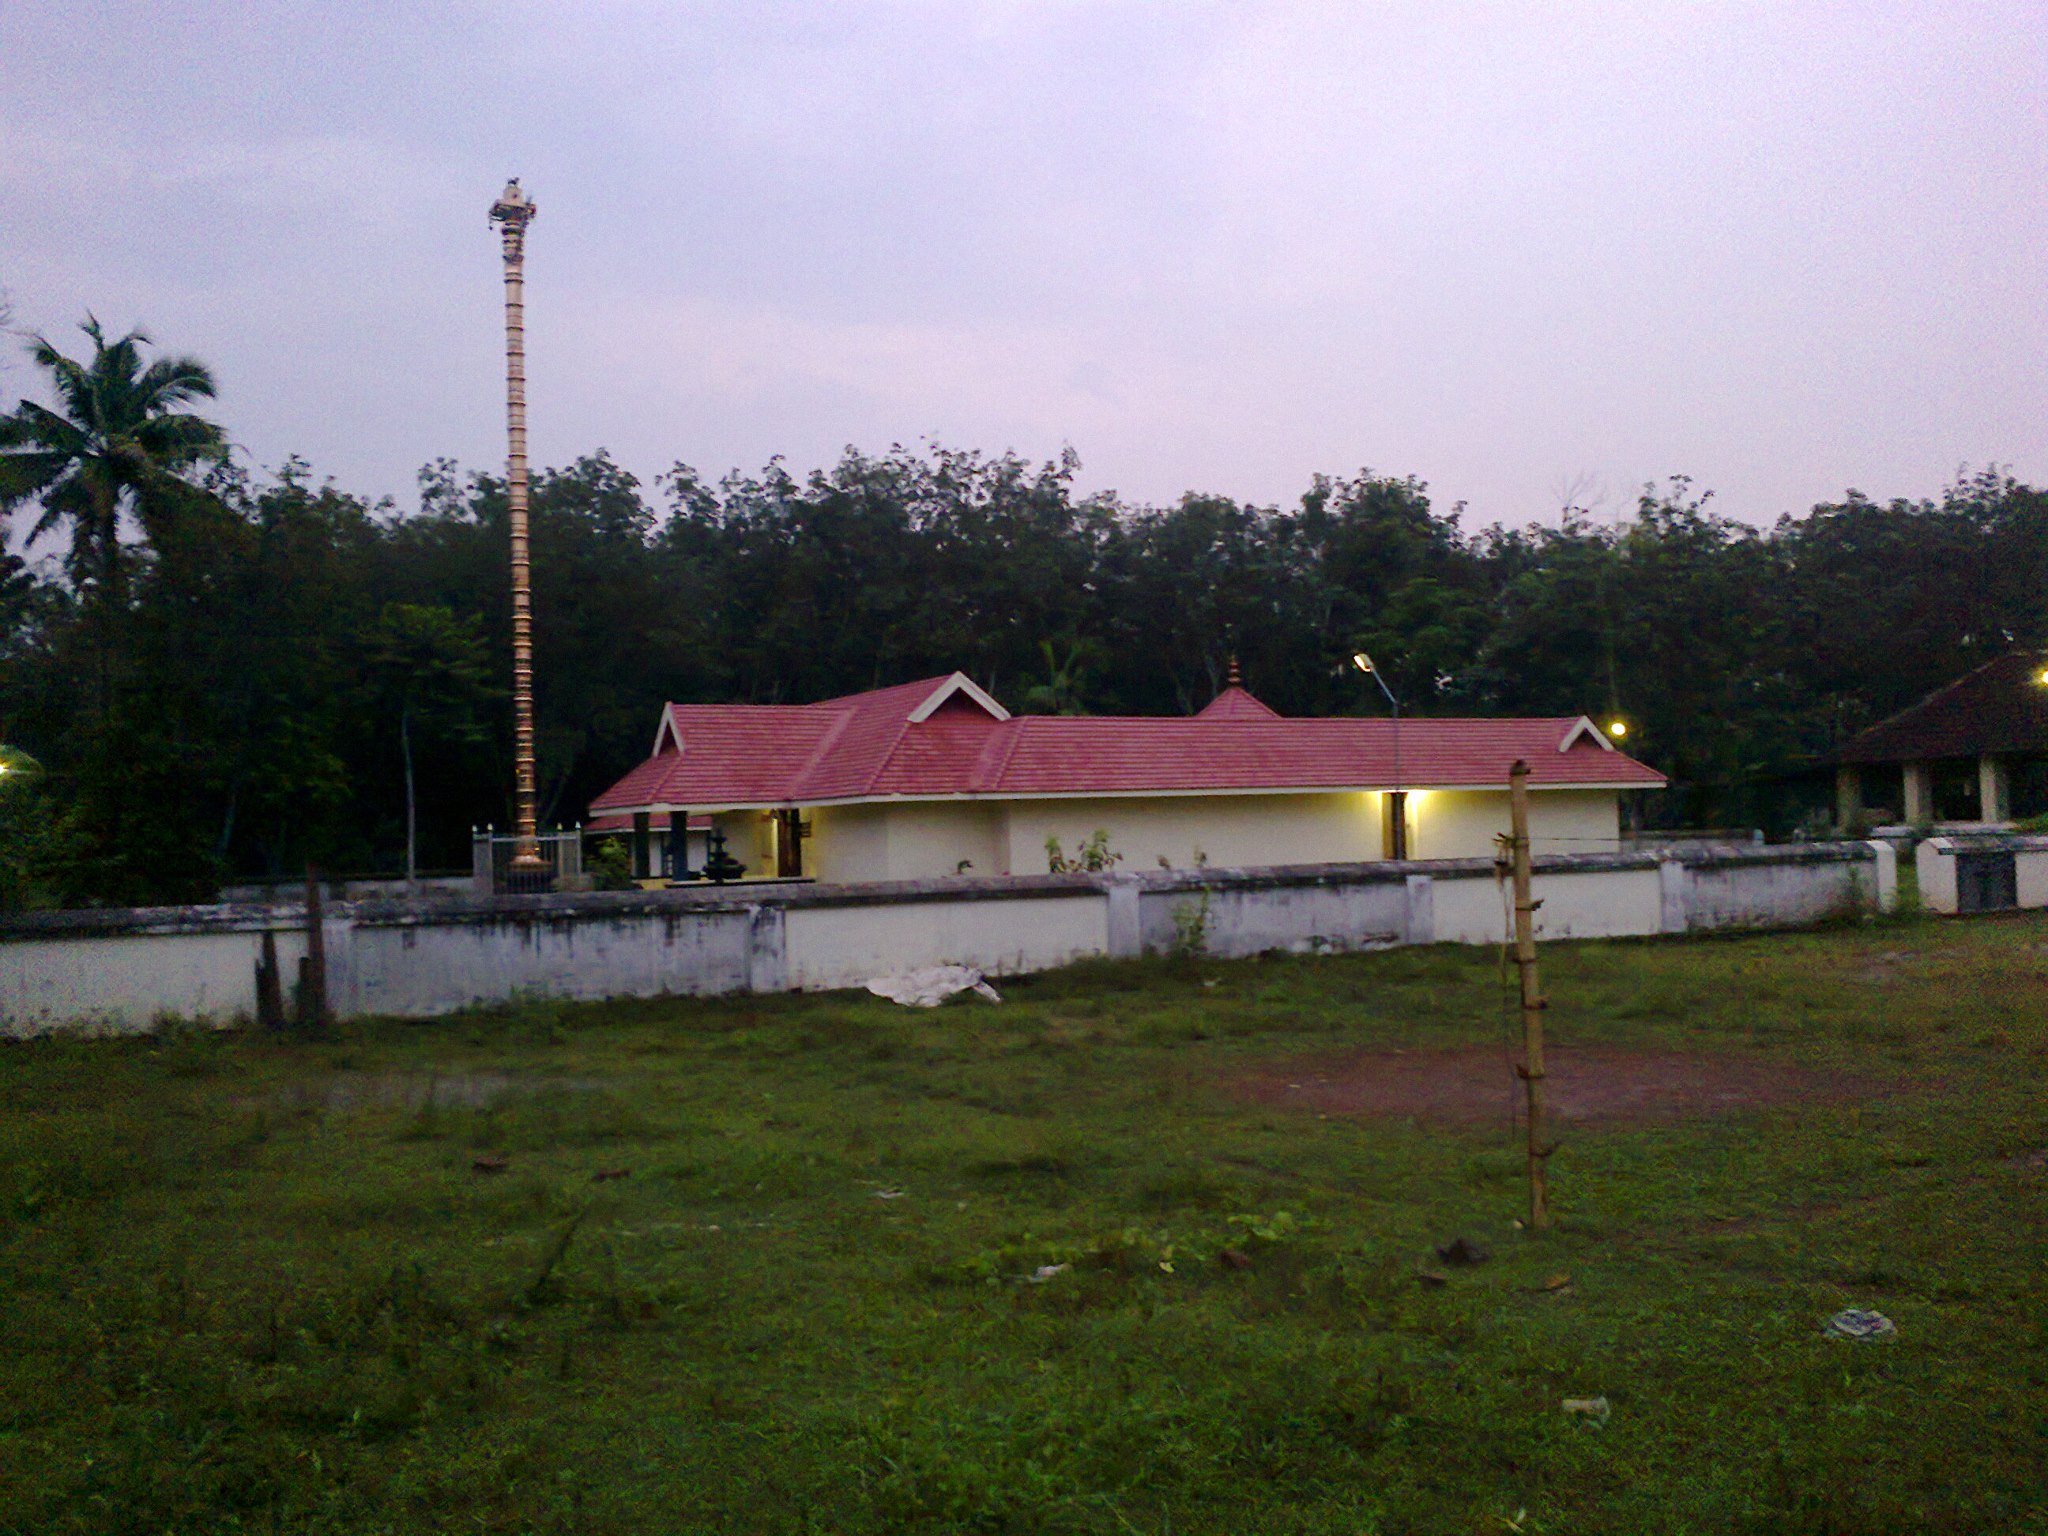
(512, 212)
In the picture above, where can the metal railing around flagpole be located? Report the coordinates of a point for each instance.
(496, 871)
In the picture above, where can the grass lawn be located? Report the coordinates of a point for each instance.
(263, 1285)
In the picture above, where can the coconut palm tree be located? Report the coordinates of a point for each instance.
(117, 442)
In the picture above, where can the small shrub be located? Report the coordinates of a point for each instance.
(1191, 928)
(610, 866)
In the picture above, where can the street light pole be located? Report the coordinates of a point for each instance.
(1399, 806)
(511, 213)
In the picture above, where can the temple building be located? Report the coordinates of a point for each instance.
(934, 779)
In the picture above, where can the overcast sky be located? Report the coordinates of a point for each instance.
(1784, 249)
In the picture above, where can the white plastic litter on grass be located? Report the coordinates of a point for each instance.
(1856, 1323)
(932, 986)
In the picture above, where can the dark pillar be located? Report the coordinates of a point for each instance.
(679, 846)
(642, 851)
(789, 843)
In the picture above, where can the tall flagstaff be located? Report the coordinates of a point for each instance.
(512, 212)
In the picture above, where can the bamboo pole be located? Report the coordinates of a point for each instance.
(1533, 1003)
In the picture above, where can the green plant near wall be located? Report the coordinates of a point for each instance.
(611, 867)
(1191, 928)
(1091, 858)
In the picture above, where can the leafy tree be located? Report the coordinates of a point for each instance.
(1066, 672)
(430, 668)
(38, 851)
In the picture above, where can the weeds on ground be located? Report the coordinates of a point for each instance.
(816, 1263)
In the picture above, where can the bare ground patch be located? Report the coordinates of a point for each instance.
(1586, 1083)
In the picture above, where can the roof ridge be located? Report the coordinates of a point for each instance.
(995, 754)
(1928, 698)
(928, 684)
(825, 744)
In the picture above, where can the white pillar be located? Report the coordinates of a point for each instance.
(1123, 921)
(1421, 924)
(1934, 862)
(1672, 882)
(767, 949)
(1887, 875)
(1919, 781)
(1994, 790)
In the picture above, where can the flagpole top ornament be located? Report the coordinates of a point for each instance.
(514, 206)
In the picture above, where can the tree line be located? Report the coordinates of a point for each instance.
(223, 674)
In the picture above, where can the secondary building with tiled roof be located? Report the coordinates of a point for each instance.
(935, 778)
(1974, 752)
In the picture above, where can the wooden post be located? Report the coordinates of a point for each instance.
(313, 999)
(1533, 1004)
(269, 985)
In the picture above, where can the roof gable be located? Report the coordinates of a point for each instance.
(958, 686)
(666, 737)
(1583, 729)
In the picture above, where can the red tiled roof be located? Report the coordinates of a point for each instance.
(939, 738)
(1233, 703)
(1088, 756)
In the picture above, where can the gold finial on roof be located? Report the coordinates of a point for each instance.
(1235, 680)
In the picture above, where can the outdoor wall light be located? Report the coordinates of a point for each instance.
(1617, 729)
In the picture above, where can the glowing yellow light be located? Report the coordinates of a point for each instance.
(1617, 728)
(2043, 678)
(1361, 661)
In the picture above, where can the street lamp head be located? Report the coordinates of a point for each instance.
(1617, 729)
(1361, 661)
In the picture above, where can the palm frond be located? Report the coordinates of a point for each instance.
(26, 475)
(173, 380)
(180, 439)
(72, 381)
(36, 426)
(67, 501)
